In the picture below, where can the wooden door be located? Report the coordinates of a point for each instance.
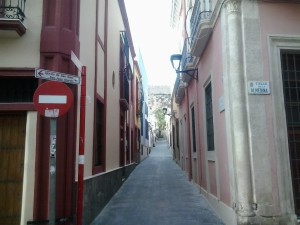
(12, 144)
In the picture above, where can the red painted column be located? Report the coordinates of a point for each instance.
(81, 147)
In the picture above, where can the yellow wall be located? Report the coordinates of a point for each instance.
(115, 25)
(87, 58)
(101, 53)
(24, 52)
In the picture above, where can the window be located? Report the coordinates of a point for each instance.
(99, 137)
(291, 88)
(17, 89)
(146, 130)
(177, 132)
(142, 124)
(2, 5)
(125, 69)
(146, 123)
(173, 137)
(193, 128)
(209, 118)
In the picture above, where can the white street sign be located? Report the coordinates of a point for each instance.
(76, 61)
(57, 76)
(259, 87)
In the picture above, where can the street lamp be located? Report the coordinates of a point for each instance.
(176, 62)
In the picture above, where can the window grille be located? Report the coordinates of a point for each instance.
(12, 9)
(291, 88)
(17, 90)
(209, 118)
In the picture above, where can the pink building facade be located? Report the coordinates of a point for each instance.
(236, 112)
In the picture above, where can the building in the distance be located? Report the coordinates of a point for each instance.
(159, 98)
(145, 131)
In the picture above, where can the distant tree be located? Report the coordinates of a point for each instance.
(160, 119)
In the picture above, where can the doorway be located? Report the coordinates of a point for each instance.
(12, 148)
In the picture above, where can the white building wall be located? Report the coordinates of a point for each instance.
(24, 51)
(115, 25)
(87, 56)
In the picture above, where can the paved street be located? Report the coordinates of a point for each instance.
(157, 193)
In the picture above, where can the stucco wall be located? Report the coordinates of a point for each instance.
(115, 25)
(216, 162)
(24, 52)
(87, 58)
(100, 50)
(286, 25)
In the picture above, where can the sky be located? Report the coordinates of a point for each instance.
(151, 32)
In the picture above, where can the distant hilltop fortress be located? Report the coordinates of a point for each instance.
(159, 90)
(159, 96)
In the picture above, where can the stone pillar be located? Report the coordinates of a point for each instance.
(238, 112)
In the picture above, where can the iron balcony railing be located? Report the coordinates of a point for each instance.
(186, 55)
(197, 18)
(12, 9)
(127, 70)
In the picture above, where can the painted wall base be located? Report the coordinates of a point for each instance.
(258, 220)
(229, 216)
(98, 190)
(226, 213)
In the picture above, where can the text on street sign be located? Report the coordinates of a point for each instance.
(259, 87)
(54, 99)
(57, 76)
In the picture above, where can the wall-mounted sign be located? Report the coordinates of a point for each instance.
(53, 99)
(259, 87)
(221, 104)
(57, 76)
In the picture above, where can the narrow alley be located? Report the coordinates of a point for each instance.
(157, 192)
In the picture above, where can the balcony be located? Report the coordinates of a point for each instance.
(188, 62)
(201, 29)
(126, 74)
(11, 18)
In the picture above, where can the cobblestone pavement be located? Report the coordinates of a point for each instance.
(157, 193)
